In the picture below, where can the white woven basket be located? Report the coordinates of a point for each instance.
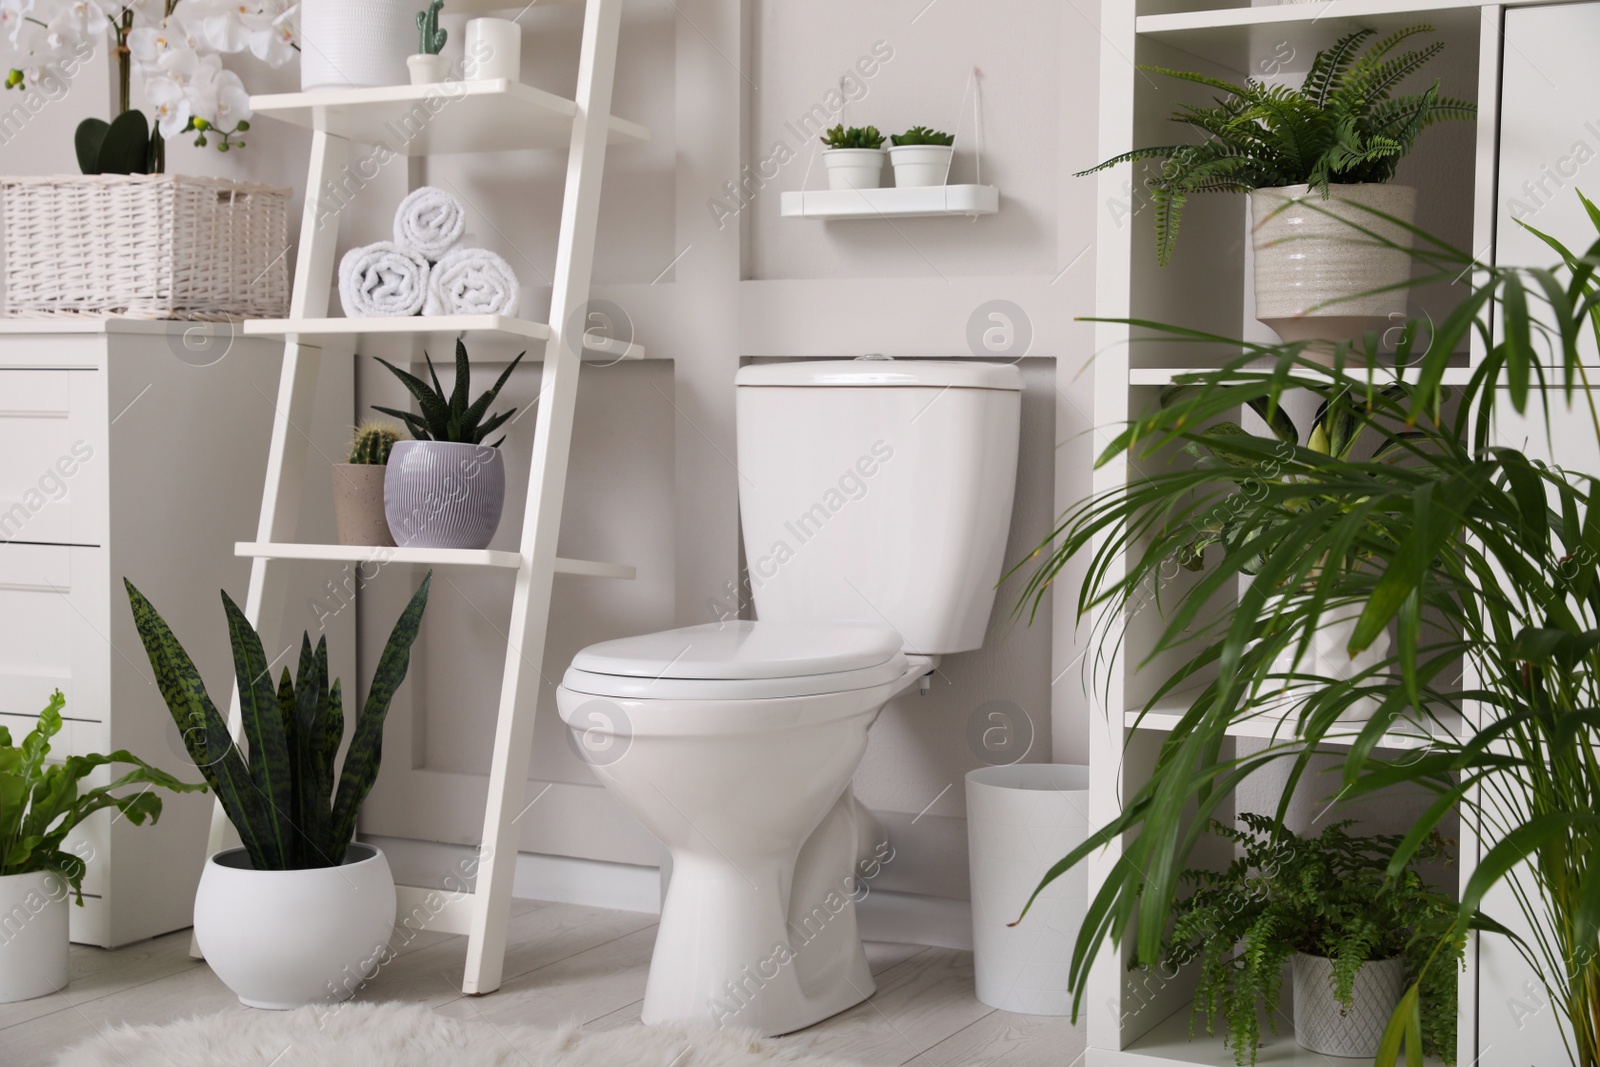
(148, 246)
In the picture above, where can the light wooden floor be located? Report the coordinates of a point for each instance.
(564, 962)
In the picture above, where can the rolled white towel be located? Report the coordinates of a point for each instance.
(382, 280)
(429, 221)
(471, 281)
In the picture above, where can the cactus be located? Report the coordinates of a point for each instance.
(430, 38)
(372, 442)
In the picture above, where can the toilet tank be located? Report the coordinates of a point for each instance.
(878, 491)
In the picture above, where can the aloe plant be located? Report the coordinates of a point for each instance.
(450, 418)
(279, 792)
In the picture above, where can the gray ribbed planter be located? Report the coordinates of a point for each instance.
(442, 495)
(1322, 1024)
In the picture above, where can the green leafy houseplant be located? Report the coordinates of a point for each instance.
(430, 38)
(1341, 126)
(1326, 896)
(280, 793)
(854, 137)
(451, 418)
(922, 135)
(372, 443)
(42, 802)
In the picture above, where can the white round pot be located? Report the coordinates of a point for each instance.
(439, 494)
(427, 69)
(33, 935)
(283, 939)
(854, 168)
(1311, 261)
(1328, 660)
(1021, 819)
(1323, 1025)
(920, 165)
(348, 44)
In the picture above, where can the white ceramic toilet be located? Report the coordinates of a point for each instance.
(875, 497)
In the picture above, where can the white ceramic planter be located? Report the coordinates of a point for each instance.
(427, 69)
(439, 494)
(1322, 1024)
(1328, 658)
(33, 935)
(854, 168)
(494, 49)
(283, 939)
(1021, 819)
(1311, 262)
(920, 165)
(348, 44)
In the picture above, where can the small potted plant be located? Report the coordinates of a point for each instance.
(40, 804)
(1356, 939)
(854, 157)
(446, 488)
(358, 486)
(300, 913)
(428, 66)
(921, 157)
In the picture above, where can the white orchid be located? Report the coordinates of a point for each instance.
(172, 108)
(14, 21)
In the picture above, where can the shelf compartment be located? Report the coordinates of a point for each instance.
(492, 115)
(1267, 725)
(434, 331)
(891, 203)
(1167, 1044)
(440, 557)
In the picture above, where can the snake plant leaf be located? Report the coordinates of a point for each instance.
(332, 737)
(262, 718)
(311, 787)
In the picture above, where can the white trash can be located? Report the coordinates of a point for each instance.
(1021, 819)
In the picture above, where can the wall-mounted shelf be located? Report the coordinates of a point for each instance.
(440, 557)
(970, 200)
(434, 331)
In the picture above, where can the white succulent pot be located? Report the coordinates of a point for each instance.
(1323, 1025)
(920, 165)
(33, 935)
(1328, 660)
(854, 168)
(348, 44)
(283, 939)
(442, 494)
(1315, 272)
(427, 69)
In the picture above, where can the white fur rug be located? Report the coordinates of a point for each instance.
(412, 1035)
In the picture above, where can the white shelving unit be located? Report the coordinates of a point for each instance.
(481, 116)
(891, 203)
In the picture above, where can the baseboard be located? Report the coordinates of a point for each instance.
(914, 919)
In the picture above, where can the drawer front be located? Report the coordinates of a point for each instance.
(53, 485)
(54, 616)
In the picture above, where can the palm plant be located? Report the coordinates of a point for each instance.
(1341, 126)
(1485, 561)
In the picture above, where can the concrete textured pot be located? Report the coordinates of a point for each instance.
(33, 935)
(440, 494)
(920, 165)
(1323, 1025)
(854, 168)
(1308, 253)
(358, 504)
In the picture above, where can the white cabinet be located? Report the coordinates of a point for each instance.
(136, 449)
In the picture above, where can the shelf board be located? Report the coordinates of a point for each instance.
(1167, 1044)
(438, 557)
(433, 331)
(490, 7)
(891, 203)
(492, 115)
(1266, 725)
(1164, 375)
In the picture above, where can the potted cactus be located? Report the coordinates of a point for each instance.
(358, 486)
(428, 66)
(854, 157)
(921, 157)
(446, 488)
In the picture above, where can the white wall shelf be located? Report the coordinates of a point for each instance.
(1268, 726)
(433, 331)
(891, 203)
(436, 557)
(1168, 1045)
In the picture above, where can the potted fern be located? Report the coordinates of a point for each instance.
(301, 912)
(921, 157)
(1329, 232)
(358, 486)
(446, 488)
(854, 157)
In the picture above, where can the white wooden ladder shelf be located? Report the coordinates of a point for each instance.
(486, 116)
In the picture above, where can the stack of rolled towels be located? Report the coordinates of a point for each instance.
(422, 271)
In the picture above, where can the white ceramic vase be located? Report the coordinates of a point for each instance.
(921, 165)
(1021, 819)
(348, 44)
(1311, 261)
(33, 935)
(283, 939)
(426, 69)
(854, 168)
(1322, 1024)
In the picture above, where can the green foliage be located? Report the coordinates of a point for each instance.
(854, 137)
(1341, 126)
(1328, 896)
(372, 442)
(450, 418)
(279, 792)
(122, 146)
(42, 802)
(430, 38)
(923, 135)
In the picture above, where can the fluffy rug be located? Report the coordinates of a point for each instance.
(412, 1035)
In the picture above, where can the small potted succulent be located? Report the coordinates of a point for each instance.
(40, 804)
(428, 66)
(446, 488)
(301, 912)
(358, 486)
(854, 157)
(921, 157)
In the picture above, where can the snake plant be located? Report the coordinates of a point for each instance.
(279, 792)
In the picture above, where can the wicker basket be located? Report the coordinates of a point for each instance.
(156, 246)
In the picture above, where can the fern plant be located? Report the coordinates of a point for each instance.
(451, 418)
(1325, 896)
(1341, 126)
(854, 137)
